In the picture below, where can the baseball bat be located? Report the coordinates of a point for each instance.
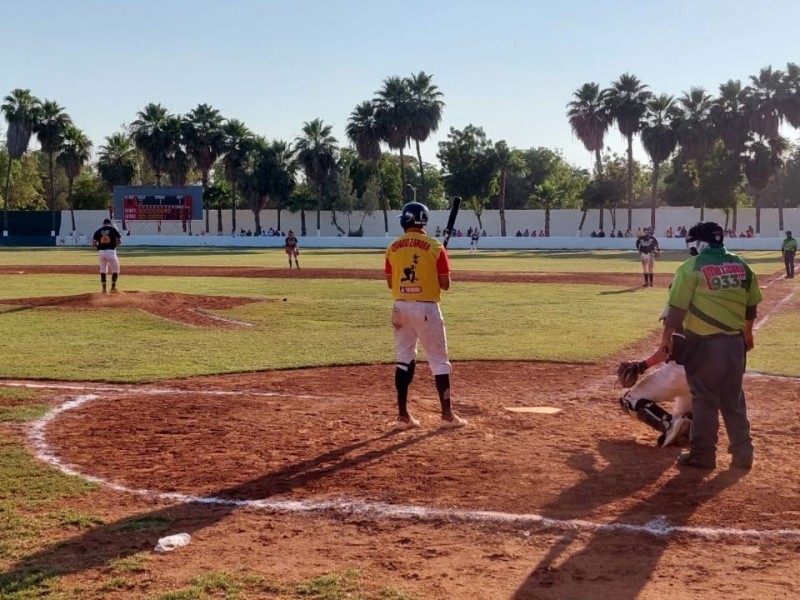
(451, 220)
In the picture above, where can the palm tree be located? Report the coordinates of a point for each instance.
(75, 152)
(237, 141)
(366, 132)
(763, 160)
(116, 160)
(508, 161)
(256, 173)
(626, 100)
(659, 139)
(590, 119)
(729, 117)
(547, 193)
(425, 114)
(21, 110)
(789, 96)
(316, 152)
(764, 95)
(202, 132)
(283, 180)
(148, 134)
(50, 131)
(394, 113)
(694, 128)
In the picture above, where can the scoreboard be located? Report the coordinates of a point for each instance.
(143, 207)
(152, 203)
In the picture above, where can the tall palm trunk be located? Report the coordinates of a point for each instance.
(653, 189)
(421, 174)
(547, 220)
(583, 218)
(219, 220)
(319, 208)
(382, 198)
(303, 229)
(233, 208)
(257, 218)
(702, 210)
(51, 171)
(279, 218)
(402, 175)
(5, 197)
(629, 186)
(758, 211)
(735, 216)
(598, 160)
(204, 179)
(780, 213)
(601, 221)
(501, 201)
(71, 205)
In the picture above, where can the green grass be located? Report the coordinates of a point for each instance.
(147, 523)
(135, 563)
(549, 261)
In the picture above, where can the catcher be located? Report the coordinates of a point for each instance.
(666, 382)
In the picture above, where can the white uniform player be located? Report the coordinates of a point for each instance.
(667, 382)
(417, 270)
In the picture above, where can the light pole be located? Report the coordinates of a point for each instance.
(413, 189)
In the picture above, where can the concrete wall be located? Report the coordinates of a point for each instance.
(563, 223)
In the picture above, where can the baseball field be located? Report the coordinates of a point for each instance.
(222, 395)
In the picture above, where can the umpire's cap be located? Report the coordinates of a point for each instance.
(708, 232)
(106, 221)
(415, 214)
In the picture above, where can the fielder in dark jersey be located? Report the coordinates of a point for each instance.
(292, 248)
(714, 297)
(106, 239)
(647, 245)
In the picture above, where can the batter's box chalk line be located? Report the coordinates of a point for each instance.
(658, 527)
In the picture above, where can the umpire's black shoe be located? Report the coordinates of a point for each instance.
(687, 459)
(742, 462)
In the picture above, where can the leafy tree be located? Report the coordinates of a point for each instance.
(203, 135)
(659, 139)
(589, 117)
(25, 182)
(75, 152)
(90, 191)
(303, 198)
(237, 142)
(547, 194)
(729, 116)
(51, 129)
(626, 101)
(469, 163)
(764, 100)
(762, 161)
(22, 111)
(316, 153)
(425, 115)
(255, 178)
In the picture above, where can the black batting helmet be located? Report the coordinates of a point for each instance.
(708, 232)
(415, 214)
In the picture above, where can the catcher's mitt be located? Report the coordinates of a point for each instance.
(628, 372)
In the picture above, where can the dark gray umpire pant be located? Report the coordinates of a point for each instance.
(788, 261)
(714, 370)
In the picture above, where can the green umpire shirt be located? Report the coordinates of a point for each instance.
(789, 245)
(714, 288)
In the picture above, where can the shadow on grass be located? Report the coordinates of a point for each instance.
(139, 533)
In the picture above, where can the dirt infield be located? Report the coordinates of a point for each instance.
(574, 505)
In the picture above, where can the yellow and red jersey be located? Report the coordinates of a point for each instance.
(414, 261)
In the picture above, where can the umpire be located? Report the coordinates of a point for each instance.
(714, 298)
(789, 249)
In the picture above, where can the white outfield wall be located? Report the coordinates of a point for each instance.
(563, 229)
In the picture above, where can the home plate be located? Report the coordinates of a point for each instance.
(542, 410)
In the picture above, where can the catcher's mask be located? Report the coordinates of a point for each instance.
(704, 235)
(415, 214)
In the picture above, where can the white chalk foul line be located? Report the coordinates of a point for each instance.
(760, 322)
(657, 527)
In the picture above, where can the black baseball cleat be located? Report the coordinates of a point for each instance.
(687, 459)
(742, 461)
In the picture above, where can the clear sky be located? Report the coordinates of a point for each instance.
(509, 66)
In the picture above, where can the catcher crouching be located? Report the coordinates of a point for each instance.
(642, 401)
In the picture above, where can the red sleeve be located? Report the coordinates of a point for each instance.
(387, 267)
(443, 264)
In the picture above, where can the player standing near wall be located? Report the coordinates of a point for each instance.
(106, 239)
(292, 248)
(417, 270)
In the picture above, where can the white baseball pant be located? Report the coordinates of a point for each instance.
(420, 321)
